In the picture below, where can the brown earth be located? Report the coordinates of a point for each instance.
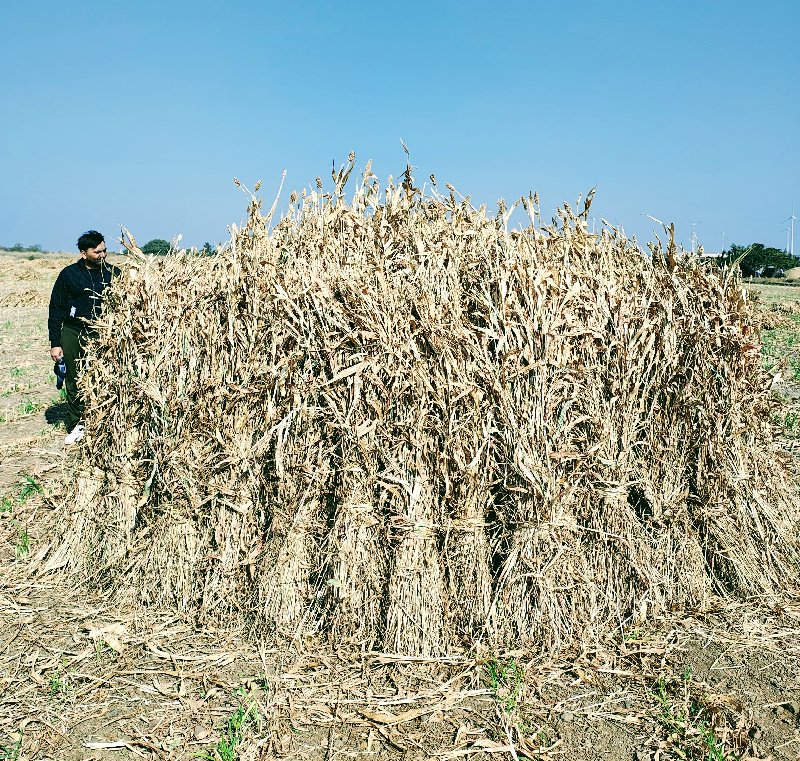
(86, 677)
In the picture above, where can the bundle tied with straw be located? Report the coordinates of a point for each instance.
(391, 422)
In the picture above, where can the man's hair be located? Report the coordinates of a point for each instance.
(90, 239)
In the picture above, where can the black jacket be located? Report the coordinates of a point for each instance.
(77, 297)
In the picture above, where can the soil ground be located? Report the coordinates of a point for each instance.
(85, 677)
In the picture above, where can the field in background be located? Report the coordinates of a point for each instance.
(780, 348)
(775, 293)
(81, 679)
(31, 409)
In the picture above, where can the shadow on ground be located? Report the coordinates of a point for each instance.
(56, 413)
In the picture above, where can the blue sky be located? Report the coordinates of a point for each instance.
(142, 113)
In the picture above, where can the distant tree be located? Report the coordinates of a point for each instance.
(208, 249)
(156, 247)
(756, 256)
(18, 247)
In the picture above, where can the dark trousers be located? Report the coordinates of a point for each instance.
(72, 343)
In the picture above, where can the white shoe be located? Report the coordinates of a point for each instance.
(74, 436)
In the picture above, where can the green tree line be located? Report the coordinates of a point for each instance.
(34, 249)
(756, 257)
(161, 247)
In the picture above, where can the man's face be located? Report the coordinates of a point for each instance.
(94, 256)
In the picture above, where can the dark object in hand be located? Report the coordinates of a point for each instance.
(60, 369)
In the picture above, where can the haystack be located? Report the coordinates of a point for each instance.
(392, 422)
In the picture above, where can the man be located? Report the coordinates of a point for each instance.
(76, 302)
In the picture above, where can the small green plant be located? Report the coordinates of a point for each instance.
(58, 686)
(101, 648)
(11, 752)
(790, 421)
(683, 718)
(543, 738)
(507, 679)
(23, 541)
(232, 735)
(17, 372)
(28, 407)
(28, 487)
(714, 750)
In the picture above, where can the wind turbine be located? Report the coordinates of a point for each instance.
(791, 221)
(694, 235)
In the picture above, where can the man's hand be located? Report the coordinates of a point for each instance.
(56, 353)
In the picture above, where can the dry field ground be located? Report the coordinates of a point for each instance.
(84, 677)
